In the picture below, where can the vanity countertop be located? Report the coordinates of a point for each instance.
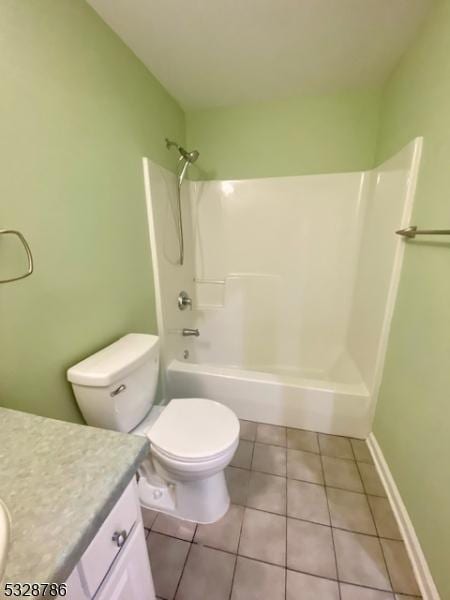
(59, 481)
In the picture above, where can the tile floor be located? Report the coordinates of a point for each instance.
(309, 520)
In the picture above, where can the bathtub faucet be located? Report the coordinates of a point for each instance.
(188, 332)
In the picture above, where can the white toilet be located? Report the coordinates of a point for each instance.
(192, 440)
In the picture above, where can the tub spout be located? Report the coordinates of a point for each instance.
(188, 332)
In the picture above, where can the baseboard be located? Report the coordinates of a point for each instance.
(416, 555)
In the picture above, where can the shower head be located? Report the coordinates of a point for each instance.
(187, 157)
(190, 157)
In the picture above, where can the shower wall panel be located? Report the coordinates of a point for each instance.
(293, 282)
(275, 263)
(389, 206)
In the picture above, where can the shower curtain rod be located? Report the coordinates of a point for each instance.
(411, 232)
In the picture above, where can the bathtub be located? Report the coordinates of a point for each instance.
(327, 402)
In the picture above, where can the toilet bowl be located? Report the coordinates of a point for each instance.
(192, 440)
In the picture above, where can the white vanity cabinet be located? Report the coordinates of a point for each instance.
(115, 566)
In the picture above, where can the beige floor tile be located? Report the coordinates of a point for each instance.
(248, 430)
(243, 456)
(255, 580)
(403, 597)
(342, 474)
(360, 560)
(371, 480)
(304, 466)
(208, 574)
(269, 459)
(224, 534)
(310, 548)
(354, 592)
(271, 434)
(307, 587)
(350, 510)
(333, 445)
(307, 501)
(361, 451)
(237, 482)
(399, 567)
(263, 537)
(167, 558)
(267, 492)
(384, 518)
(148, 517)
(297, 439)
(178, 528)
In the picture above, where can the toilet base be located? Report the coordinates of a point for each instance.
(201, 501)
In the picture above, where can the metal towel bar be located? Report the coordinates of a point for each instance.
(27, 250)
(411, 232)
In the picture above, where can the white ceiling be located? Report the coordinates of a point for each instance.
(224, 52)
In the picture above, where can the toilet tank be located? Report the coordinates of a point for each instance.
(115, 387)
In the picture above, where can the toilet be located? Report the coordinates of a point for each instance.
(192, 440)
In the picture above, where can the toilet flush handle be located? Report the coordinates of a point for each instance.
(118, 390)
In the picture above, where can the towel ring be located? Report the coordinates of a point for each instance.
(27, 250)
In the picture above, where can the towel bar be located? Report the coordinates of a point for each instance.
(411, 232)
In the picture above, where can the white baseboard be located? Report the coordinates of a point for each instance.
(416, 555)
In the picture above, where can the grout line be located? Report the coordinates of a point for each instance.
(337, 580)
(261, 560)
(363, 493)
(183, 569)
(366, 587)
(286, 524)
(376, 528)
(332, 532)
(193, 541)
(236, 555)
(257, 471)
(253, 454)
(175, 536)
(319, 444)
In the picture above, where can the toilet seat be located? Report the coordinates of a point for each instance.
(194, 430)
(163, 454)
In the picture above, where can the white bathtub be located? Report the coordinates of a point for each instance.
(293, 324)
(339, 407)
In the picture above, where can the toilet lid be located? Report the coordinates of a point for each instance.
(194, 429)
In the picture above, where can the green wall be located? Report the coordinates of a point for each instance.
(412, 421)
(303, 135)
(78, 111)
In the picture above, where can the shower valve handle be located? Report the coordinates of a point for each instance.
(184, 301)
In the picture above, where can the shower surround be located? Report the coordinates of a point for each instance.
(293, 282)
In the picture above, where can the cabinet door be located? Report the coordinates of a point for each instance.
(103, 550)
(130, 577)
(75, 590)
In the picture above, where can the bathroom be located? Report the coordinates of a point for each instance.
(214, 218)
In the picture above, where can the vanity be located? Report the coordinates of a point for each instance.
(75, 516)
